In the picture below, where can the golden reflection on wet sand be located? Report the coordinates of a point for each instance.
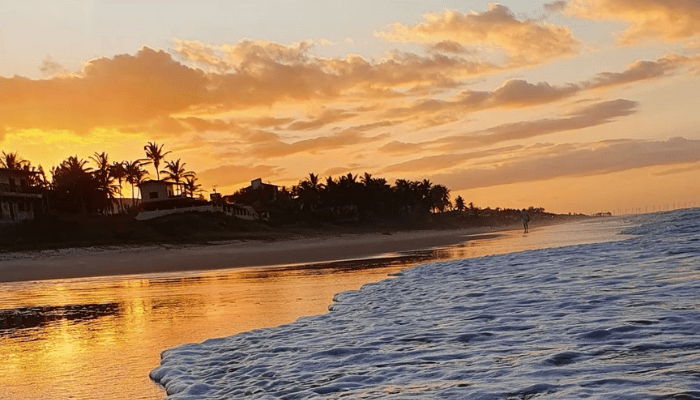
(106, 345)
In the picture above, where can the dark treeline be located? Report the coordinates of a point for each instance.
(82, 204)
(94, 185)
(352, 198)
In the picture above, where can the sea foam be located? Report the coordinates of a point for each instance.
(614, 320)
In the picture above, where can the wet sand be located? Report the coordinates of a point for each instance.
(93, 262)
(101, 336)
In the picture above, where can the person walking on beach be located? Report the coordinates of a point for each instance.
(525, 217)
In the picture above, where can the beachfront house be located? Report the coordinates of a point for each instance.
(18, 199)
(158, 198)
(265, 191)
(258, 197)
(156, 191)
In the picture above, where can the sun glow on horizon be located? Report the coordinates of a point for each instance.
(572, 106)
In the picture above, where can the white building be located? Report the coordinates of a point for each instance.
(156, 191)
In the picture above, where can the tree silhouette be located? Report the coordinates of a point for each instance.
(13, 161)
(154, 152)
(176, 172)
(35, 175)
(191, 186)
(440, 198)
(74, 186)
(105, 180)
(118, 171)
(459, 203)
(134, 174)
(308, 191)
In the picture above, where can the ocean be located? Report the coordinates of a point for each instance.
(612, 320)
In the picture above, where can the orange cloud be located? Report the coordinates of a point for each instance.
(525, 42)
(594, 115)
(448, 46)
(121, 91)
(576, 161)
(512, 94)
(668, 20)
(141, 92)
(518, 93)
(327, 117)
(397, 147)
(644, 70)
(253, 73)
(276, 147)
(446, 161)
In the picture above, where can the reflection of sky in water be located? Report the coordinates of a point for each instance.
(121, 324)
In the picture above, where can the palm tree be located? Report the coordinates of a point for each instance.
(191, 186)
(424, 189)
(154, 152)
(75, 186)
(118, 171)
(459, 203)
(134, 174)
(308, 191)
(350, 190)
(13, 161)
(440, 198)
(75, 164)
(176, 172)
(105, 180)
(37, 177)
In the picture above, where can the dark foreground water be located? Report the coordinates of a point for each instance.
(616, 320)
(99, 338)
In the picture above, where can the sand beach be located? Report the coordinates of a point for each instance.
(128, 260)
(102, 332)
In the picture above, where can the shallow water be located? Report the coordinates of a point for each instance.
(100, 337)
(616, 320)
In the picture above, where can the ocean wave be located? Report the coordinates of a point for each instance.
(611, 320)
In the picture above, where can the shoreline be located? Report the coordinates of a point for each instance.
(127, 260)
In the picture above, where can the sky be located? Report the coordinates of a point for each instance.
(575, 106)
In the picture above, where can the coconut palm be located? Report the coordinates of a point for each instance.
(308, 192)
(105, 180)
(440, 198)
(175, 172)
(12, 161)
(75, 164)
(37, 177)
(134, 174)
(459, 203)
(191, 186)
(118, 171)
(154, 152)
(75, 187)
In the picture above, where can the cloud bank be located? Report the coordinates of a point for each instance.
(667, 20)
(526, 42)
(558, 161)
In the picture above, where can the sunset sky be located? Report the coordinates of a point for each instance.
(574, 106)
